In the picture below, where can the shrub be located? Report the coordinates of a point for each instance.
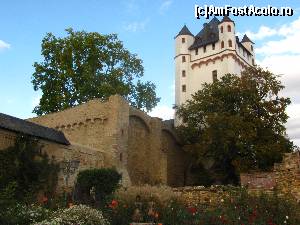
(76, 215)
(96, 185)
(21, 214)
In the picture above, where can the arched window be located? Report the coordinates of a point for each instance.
(230, 43)
(222, 44)
(229, 28)
(221, 29)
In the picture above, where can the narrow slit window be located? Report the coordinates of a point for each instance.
(213, 46)
(196, 51)
(222, 44)
(230, 43)
(183, 73)
(183, 40)
(214, 75)
(183, 59)
(183, 88)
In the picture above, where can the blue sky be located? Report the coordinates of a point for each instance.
(147, 29)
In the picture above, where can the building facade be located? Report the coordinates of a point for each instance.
(207, 56)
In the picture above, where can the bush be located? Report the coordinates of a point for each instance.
(21, 214)
(76, 215)
(96, 185)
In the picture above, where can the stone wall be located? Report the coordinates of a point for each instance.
(144, 149)
(285, 177)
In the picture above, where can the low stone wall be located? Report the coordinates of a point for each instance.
(204, 195)
(285, 177)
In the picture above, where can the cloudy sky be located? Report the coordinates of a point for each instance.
(147, 29)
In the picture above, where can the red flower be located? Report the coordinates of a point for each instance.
(192, 210)
(113, 204)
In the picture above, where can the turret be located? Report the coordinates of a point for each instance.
(183, 41)
(248, 44)
(227, 33)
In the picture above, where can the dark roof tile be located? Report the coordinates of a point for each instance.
(25, 127)
(184, 31)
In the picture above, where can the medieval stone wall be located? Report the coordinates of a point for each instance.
(285, 177)
(144, 149)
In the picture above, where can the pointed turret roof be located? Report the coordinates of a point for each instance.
(246, 39)
(227, 19)
(184, 31)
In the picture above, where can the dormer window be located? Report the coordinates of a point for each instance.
(230, 43)
(183, 40)
(252, 48)
(213, 46)
(183, 59)
(196, 51)
(204, 49)
(221, 29)
(253, 62)
(222, 44)
(229, 28)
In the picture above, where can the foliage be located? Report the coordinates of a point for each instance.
(235, 208)
(238, 122)
(83, 66)
(76, 215)
(21, 214)
(96, 185)
(24, 171)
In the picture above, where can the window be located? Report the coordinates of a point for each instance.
(213, 46)
(183, 59)
(183, 73)
(252, 48)
(214, 75)
(204, 49)
(230, 43)
(183, 88)
(183, 40)
(222, 44)
(253, 62)
(221, 29)
(229, 28)
(196, 51)
(121, 157)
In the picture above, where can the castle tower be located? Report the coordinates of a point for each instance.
(207, 56)
(183, 41)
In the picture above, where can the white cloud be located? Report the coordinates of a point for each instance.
(262, 33)
(164, 112)
(282, 57)
(165, 6)
(136, 26)
(4, 45)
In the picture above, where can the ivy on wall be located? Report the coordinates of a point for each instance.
(25, 170)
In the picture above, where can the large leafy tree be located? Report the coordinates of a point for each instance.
(83, 66)
(236, 124)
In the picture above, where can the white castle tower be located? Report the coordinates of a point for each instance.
(212, 53)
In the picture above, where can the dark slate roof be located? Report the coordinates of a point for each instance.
(227, 19)
(242, 46)
(25, 127)
(208, 35)
(184, 31)
(246, 39)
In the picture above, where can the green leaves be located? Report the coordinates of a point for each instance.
(238, 121)
(83, 66)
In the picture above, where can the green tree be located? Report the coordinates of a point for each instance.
(83, 66)
(238, 123)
